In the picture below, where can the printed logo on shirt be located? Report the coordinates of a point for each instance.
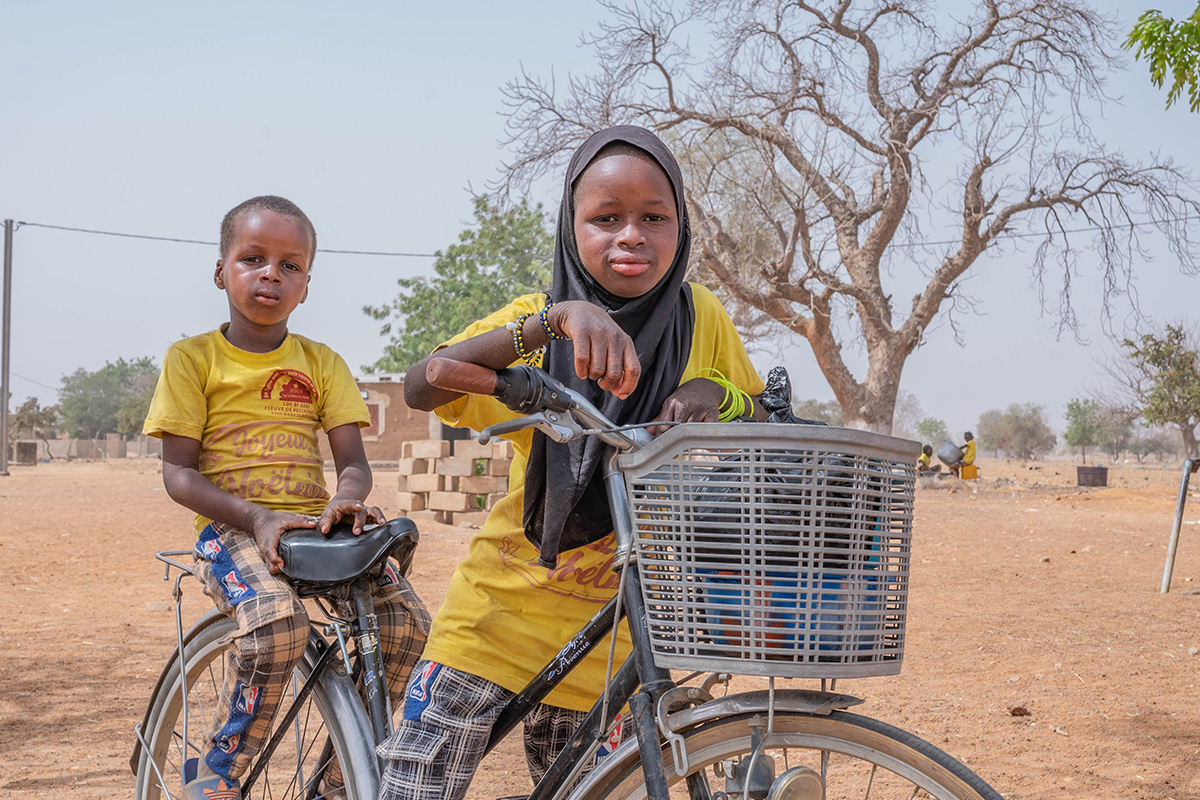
(389, 576)
(420, 691)
(294, 387)
(571, 577)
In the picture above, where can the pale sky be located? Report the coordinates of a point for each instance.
(377, 119)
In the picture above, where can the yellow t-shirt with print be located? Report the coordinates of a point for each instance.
(504, 615)
(256, 415)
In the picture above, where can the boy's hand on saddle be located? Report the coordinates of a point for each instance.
(603, 352)
(347, 509)
(269, 527)
(697, 400)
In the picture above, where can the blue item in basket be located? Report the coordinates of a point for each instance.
(776, 610)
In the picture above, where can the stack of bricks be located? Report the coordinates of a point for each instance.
(458, 489)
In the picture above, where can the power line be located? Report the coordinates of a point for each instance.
(31, 380)
(389, 254)
(211, 244)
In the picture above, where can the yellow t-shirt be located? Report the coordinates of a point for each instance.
(505, 615)
(256, 415)
(923, 459)
(969, 452)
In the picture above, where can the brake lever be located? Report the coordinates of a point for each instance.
(558, 426)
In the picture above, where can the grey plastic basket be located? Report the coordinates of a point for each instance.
(774, 549)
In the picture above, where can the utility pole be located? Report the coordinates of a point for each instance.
(6, 334)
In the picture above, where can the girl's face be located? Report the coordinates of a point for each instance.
(626, 227)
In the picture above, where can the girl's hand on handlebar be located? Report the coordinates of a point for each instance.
(697, 400)
(348, 509)
(269, 527)
(603, 352)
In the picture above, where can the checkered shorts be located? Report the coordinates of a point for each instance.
(272, 631)
(448, 718)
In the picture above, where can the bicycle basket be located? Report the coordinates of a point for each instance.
(772, 549)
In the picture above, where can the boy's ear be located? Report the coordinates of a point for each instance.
(307, 280)
(219, 277)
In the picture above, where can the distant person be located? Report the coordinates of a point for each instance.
(968, 457)
(925, 463)
(238, 411)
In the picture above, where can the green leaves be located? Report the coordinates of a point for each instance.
(1170, 393)
(1171, 48)
(506, 254)
(1084, 427)
(113, 399)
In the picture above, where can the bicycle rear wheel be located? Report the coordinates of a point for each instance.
(331, 723)
(856, 757)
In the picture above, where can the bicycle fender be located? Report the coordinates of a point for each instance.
(354, 725)
(802, 701)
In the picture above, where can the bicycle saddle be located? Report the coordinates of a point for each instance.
(312, 557)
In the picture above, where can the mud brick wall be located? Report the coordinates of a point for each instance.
(455, 483)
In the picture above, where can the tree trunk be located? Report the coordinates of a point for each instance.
(1190, 448)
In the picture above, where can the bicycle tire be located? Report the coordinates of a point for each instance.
(332, 713)
(863, 758)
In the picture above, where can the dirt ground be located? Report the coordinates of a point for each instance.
(1039, 650)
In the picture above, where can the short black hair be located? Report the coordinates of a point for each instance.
(268, 202)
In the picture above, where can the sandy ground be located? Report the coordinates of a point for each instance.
(1029, 594)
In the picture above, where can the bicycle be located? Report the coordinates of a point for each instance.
(769, 550)
(326, 715)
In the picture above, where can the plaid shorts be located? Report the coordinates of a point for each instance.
(447, 721)
(272, 632)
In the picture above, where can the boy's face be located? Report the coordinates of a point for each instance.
(265, 270)
(625, 223)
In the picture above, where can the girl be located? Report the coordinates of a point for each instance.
(622, 327)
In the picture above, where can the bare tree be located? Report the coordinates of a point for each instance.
(847, 156)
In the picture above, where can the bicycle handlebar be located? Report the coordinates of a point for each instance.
(547, 404)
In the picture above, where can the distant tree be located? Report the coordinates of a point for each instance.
(827, 411)
(1155, 443)
(932, 431)
(113, 399)
(35, 419)
(1162, 372)
(849, 163)
(908, 412)
(1083, 425)
(1021, 431)
(1116, 429)
(506, 254)
(1170, 47)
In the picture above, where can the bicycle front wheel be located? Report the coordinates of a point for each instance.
(856, 758)
(331, 724)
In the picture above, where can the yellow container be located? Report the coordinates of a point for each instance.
(969, 472)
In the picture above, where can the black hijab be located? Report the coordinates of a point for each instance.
(565, 502)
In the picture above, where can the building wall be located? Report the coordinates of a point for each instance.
(392, 422)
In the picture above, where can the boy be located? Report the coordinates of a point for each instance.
(238, 410)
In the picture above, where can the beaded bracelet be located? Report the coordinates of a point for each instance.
(544, 316)
(519, 340)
